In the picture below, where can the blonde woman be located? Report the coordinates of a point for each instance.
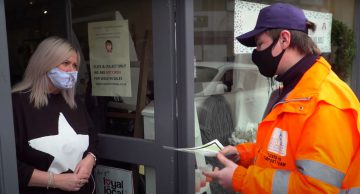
(55, 138)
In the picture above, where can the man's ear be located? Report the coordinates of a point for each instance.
(285, 38)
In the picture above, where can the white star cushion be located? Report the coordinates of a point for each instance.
(67, 147)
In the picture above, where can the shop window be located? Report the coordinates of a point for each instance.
(230, 94)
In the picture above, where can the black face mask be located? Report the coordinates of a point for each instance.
(264, 60)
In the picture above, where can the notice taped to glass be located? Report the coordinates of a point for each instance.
(109, 58)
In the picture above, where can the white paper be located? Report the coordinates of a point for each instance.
(67, 147)
(209, 149)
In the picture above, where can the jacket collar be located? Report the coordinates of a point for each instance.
(309, 85)
(307, 88)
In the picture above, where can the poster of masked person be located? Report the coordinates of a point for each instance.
(110, 58)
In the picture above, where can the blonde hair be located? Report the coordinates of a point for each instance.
(50, 53)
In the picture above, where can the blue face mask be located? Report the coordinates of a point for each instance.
(62, 79)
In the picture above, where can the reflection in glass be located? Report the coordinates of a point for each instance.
(230, 93)
(231, 96)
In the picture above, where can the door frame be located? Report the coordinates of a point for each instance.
(8, 168)
(185, 93)
(355, 71)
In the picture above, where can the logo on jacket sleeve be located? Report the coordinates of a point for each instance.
(278, 142)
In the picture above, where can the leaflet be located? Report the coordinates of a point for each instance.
(209, 149)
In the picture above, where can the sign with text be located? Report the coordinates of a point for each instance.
(109, 58)
(246, 14)
(110, 180)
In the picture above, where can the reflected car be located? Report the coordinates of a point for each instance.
(229, 97)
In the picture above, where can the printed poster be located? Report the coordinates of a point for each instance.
(110, 180)
(109, 58)
(246, 14)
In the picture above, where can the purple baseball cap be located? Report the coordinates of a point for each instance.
(276, 16)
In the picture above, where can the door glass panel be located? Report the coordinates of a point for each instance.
(231, 96)
(115, 79)
(230, 93)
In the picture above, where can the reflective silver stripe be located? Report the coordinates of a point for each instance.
(280, 182)
(351, 191)
(321, 172)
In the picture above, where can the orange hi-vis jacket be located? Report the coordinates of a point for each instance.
(308, 143)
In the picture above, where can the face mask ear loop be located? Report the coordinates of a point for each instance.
(275, 40)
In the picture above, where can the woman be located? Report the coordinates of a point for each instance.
(54, 136)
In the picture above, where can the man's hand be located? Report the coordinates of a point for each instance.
(224, 176)
(231, 153)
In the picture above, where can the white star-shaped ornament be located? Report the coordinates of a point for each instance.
(67, 147)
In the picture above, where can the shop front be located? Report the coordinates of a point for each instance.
(159, 74)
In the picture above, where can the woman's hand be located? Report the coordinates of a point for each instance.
(74, 181)
(69, 181)
(85, 166)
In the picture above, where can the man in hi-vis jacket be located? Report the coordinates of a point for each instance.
(308, 142)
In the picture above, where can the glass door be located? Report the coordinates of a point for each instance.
(128, 85)
(132, 128)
